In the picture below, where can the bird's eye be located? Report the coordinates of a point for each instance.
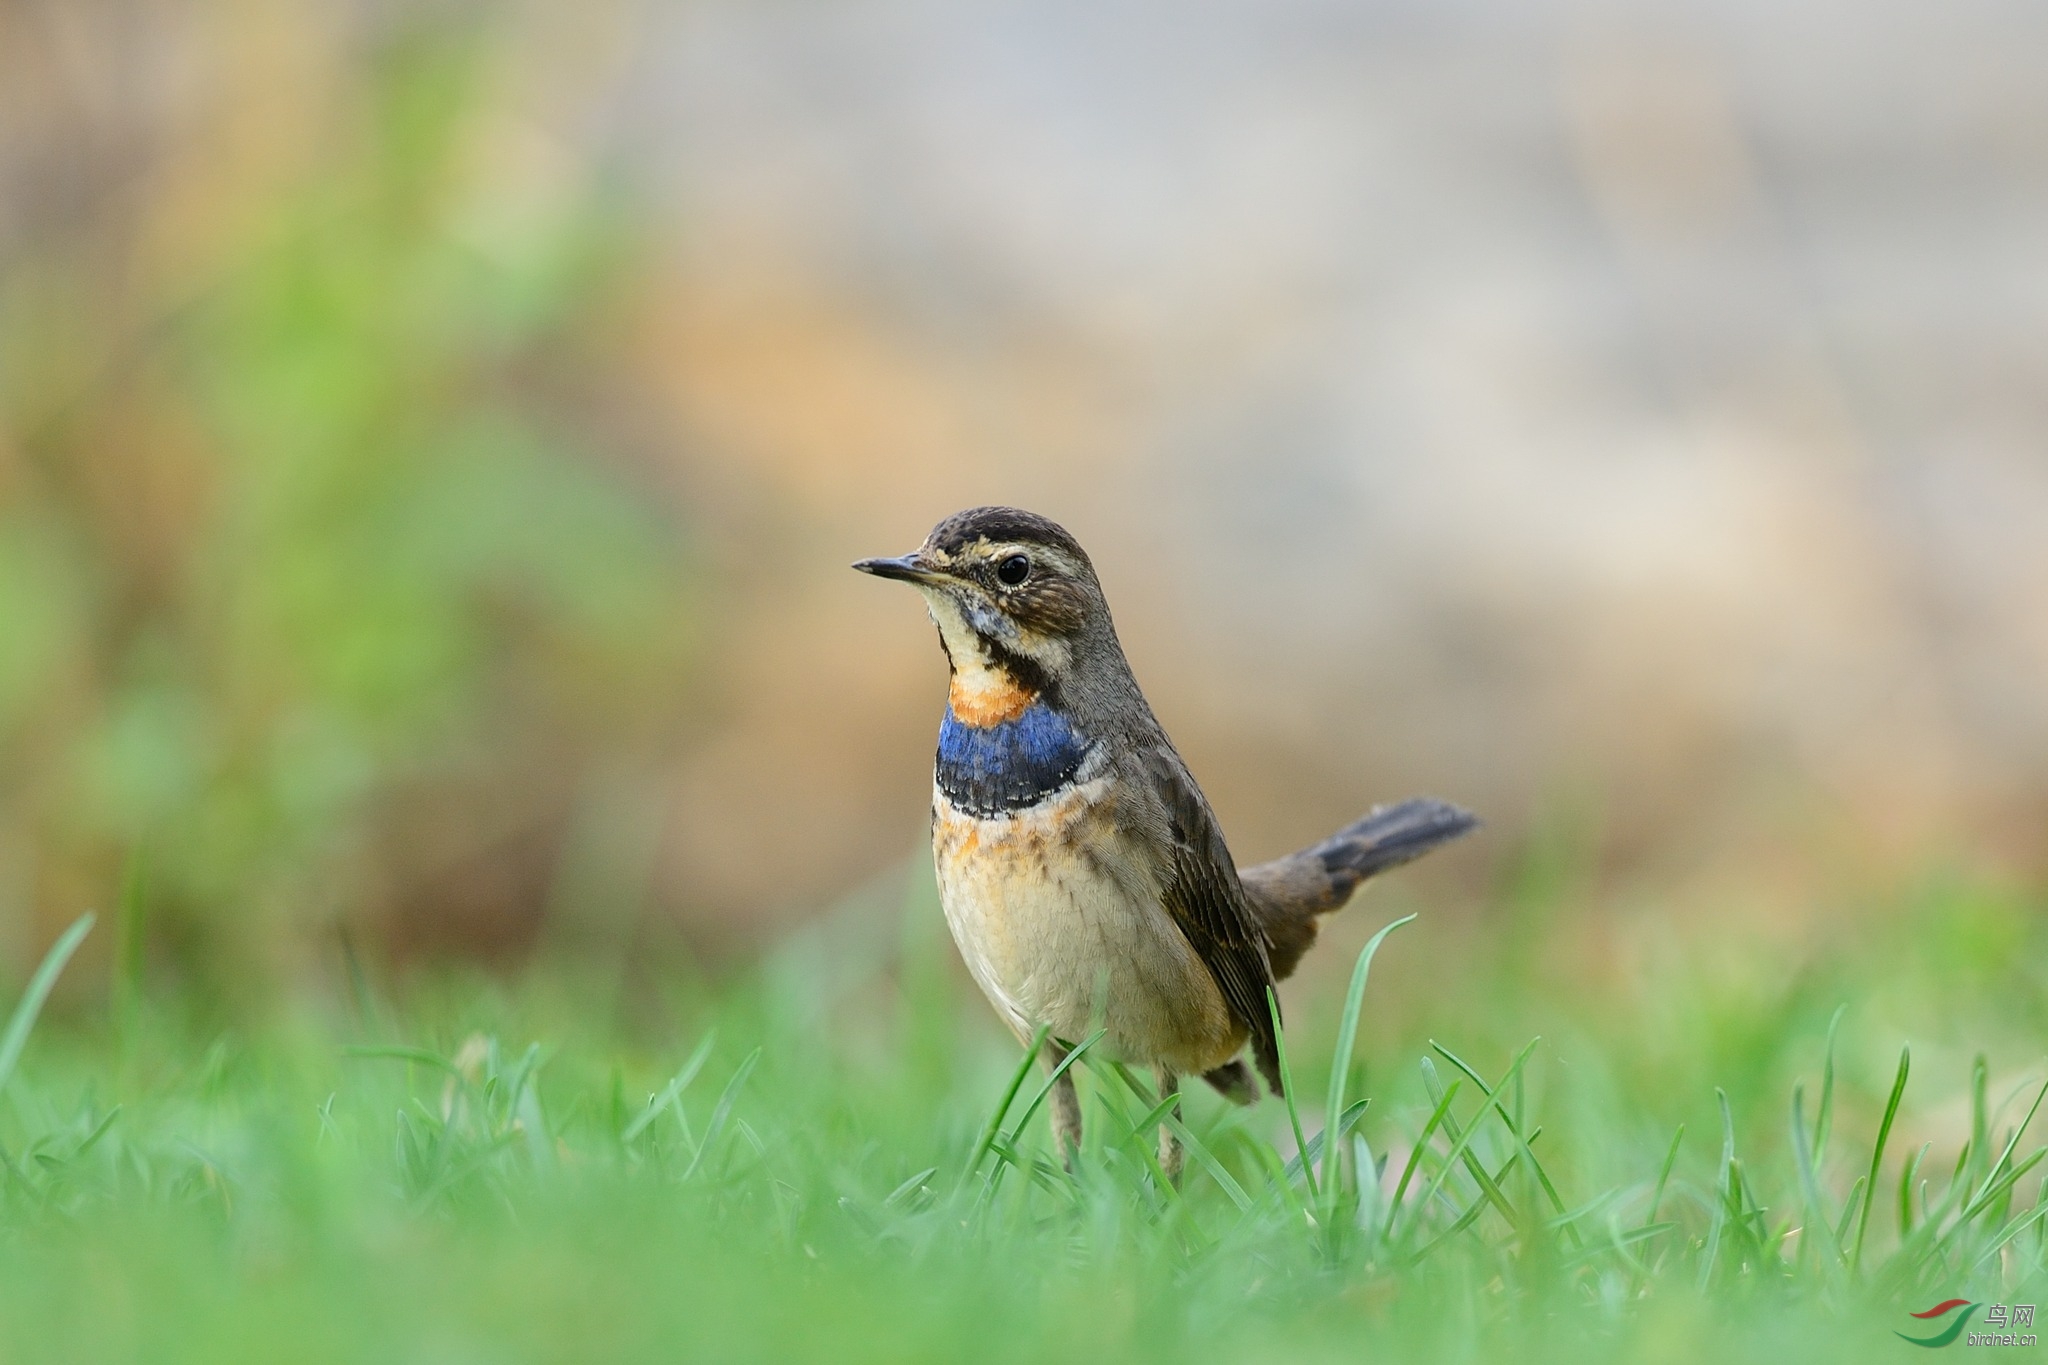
(1013, 571)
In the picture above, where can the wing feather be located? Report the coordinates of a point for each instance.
(1209, 905)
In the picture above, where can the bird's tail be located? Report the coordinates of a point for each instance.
(1289, 893)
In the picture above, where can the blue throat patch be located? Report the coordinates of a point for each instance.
(996, 769)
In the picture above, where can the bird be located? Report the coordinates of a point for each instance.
(1082, 873)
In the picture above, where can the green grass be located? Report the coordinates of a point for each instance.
(837, 1156)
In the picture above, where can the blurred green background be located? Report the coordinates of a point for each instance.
(432, 437)
(331, 603)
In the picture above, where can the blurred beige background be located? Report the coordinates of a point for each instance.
(1634, 411)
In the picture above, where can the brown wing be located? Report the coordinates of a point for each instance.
(1206, 900)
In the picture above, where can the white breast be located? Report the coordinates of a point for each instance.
(1061, 924)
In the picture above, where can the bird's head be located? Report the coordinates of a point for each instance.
(1017, 606)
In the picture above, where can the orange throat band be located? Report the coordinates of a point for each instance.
(988, 697)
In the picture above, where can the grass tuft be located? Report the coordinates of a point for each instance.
(464, 1167)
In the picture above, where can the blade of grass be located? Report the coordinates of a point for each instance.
(1980, 1117)
(1513, 1122)
(1664, 1175)
(31, 1003)
(909, 1187)
(1154, 1118)
(1981, 1180)
(1906, 1261)
(1723, 1192)
(1884, 1133)
(1348, 1120)
(1034, 1170)
(1747, 1215)
(1819, 1224)
(1199, 1150)
(721, 1111)
(1436, 1119)
(1487, 1188)
(673, 1090)
(99, 1131)
(1930, 1239)
(1066, 1064)
(1852, 1207)
(1912, 1169)
(2012, 1230)
(1472, 1211)
(2011, 1143)
(1824, 1115)
(1140, 1134)
(994, 1125)
(1998, 1187)
(128, 951)
(1464, 1140)
(525, 1106)
(1287, 1091)
(1619, 1242)
(1314, 1151)
(1369, 1193)
(1340, 1065)
(1279, 1179)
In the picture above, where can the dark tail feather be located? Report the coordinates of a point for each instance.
(1288, 893)
(1387, 837)
(1233, 1080)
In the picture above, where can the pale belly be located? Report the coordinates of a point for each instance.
(1061, 927)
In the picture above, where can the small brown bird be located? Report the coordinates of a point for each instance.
(1082, 872)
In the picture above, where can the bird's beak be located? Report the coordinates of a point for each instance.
(911, 568)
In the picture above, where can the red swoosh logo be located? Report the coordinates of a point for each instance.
(1941, 1308)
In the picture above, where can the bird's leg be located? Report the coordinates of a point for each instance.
(1066, 1108)
(1170, 1155)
